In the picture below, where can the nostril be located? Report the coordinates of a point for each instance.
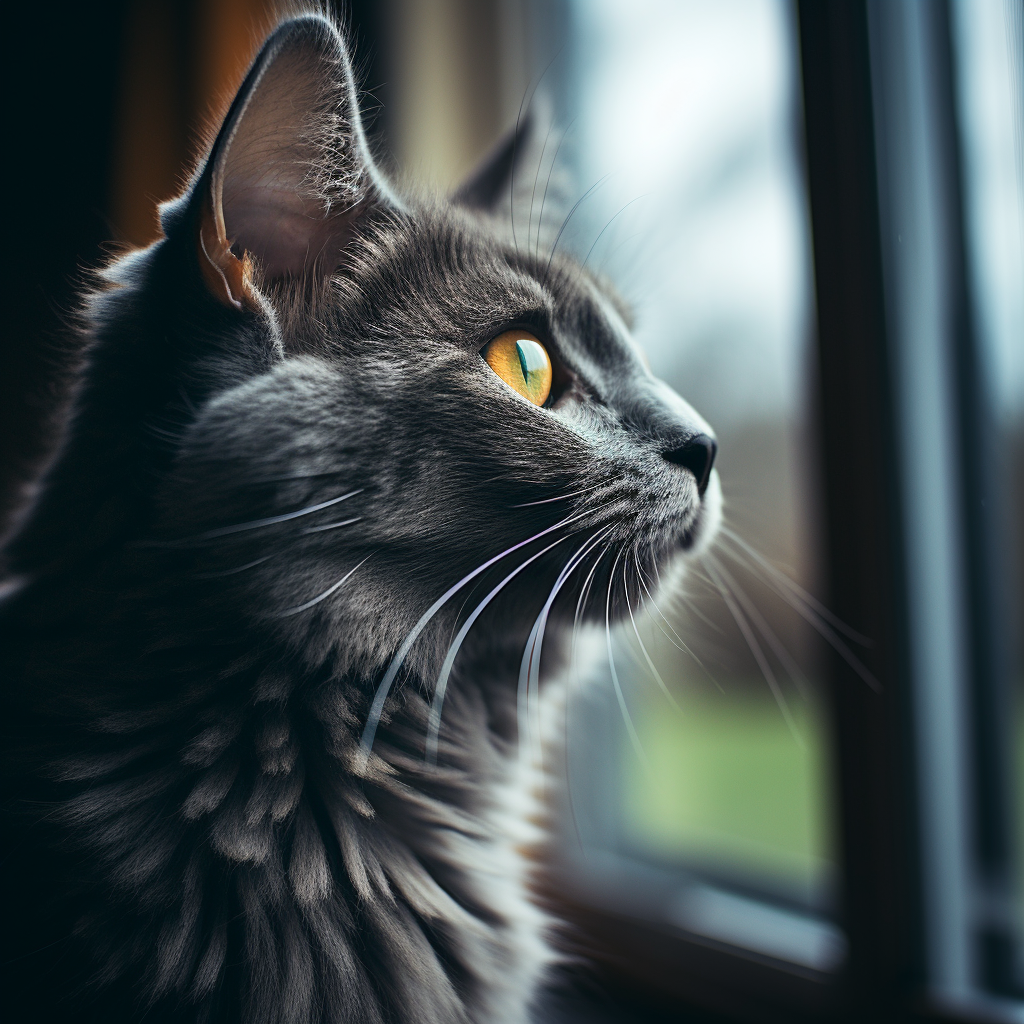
(697, 454)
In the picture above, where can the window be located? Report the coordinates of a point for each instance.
(988, 64)
(902, 798)
(708, 804)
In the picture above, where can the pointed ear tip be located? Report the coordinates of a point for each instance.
(273, 189)
(307, 22)
(518, 145)
(310, 26)
(312, 30)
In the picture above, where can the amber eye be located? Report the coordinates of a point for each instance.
(522, 362)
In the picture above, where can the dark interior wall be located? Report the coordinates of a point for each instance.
(109, 105)
(64, 73)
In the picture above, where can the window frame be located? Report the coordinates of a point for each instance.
(922, 762)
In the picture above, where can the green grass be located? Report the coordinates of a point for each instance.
(731, 786)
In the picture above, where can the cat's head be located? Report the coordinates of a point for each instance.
(325, 405)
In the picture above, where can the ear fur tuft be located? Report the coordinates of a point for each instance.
(228, 278)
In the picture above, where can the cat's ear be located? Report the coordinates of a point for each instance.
(290, 169)
(490, 187)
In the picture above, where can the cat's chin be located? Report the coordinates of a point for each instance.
(672, 576)
(705, 529)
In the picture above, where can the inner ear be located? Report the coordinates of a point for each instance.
(290, 170)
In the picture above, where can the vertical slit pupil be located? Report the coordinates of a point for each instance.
(530, 359)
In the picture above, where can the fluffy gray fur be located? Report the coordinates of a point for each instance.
(253, 506)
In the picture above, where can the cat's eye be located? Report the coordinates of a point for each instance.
(522, 362)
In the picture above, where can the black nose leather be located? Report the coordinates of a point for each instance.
(697, 454)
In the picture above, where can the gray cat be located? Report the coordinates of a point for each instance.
(340, 464)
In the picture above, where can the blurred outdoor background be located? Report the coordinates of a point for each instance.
(706, 799)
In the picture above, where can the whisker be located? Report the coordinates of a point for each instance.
(512, 174)
(231, 572)
(585, 593)
(573, 660)
(691, 605)
(560, 497)
(331, 526)
(574, 669)
(292, 477)
(682, 645)
(761, 624)
(173, 435)
(693, 609)
(626, 718)
(384, 688)
(654, 564)
(528, 95)
(697, 573)
(607, 226)
(625, 241)
(756, 651)
(529, 669)
(830, 635)
(565, 223)
(650, 664)
(434, 729)
(255, 524)
(783, 580)
(320, 597)
(674, 639)
(536, 179)
(547, 184)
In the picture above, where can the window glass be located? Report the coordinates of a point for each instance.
(708, 786)
(989, 38)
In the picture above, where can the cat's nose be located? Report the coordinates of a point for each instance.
(697, 454)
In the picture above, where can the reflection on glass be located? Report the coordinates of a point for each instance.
(990, 51)
(689, 121)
